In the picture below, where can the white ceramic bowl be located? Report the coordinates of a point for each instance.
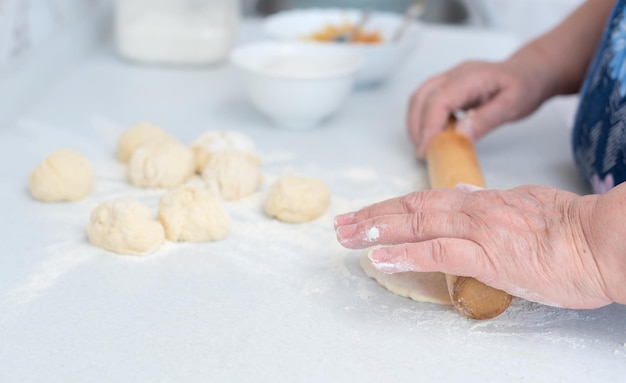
(297, 85)
(379, 60)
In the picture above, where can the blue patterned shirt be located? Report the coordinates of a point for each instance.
(599, 134)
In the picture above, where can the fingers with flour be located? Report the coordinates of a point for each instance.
(422, 225)
(447, 255)
(428, 199)
(415, 217)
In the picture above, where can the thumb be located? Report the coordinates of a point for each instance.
(476, 123)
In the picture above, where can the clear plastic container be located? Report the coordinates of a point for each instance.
(176, 32)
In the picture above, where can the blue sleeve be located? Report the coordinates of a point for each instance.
(599, 133)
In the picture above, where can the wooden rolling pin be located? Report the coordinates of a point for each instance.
(451, 160)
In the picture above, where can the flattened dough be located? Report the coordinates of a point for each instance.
(421, 287)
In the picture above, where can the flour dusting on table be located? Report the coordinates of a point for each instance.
(302, 264)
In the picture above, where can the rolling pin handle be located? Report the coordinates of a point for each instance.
(451, 160)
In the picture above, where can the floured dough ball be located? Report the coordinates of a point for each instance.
(65, 175)
(297, 199)
(217, 141)
(161, 164)
(236, 175)
(125, 226)
(193, 214)
(137, 135)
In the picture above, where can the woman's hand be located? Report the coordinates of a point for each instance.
(531, 241)
(492, 93)
(495, 93)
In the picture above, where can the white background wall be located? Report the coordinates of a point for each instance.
(27, 24)
(525, 18)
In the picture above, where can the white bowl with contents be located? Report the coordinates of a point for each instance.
(296, 85)
(382, 54)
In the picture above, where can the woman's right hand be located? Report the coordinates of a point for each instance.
(535, 242)
(491, 93)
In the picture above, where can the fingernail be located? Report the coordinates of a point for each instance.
(384, 262)
(468, 188)
(380, 261)
(346, 232)
(465, 125)
(344, 219)
(378, 255)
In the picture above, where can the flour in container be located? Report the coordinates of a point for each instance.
(298, 66)
(176, 32)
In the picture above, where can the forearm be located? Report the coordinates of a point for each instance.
(563, 54)
(605, 232)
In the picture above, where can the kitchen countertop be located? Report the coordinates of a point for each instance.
(273, 301)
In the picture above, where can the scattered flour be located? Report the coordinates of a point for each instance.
(66, 257)
(360, 174)
(372, 234)
(324, 270)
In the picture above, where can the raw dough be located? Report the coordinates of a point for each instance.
(137, 135)
(236, 175)
(161, 164)
(297, 199)
(65, 175)
(193, 214)
(216, 141)
(421, 287)
(125, 226)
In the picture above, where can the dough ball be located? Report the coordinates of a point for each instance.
(297, 199)
(65, 175)
(421, 287)
(137, 135)
(216, 141)
(161, 164)
(193, 214)
(125, 226)
(236, 175)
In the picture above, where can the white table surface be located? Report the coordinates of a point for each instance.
(272, 302)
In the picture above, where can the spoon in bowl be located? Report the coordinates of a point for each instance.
(412, 12)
